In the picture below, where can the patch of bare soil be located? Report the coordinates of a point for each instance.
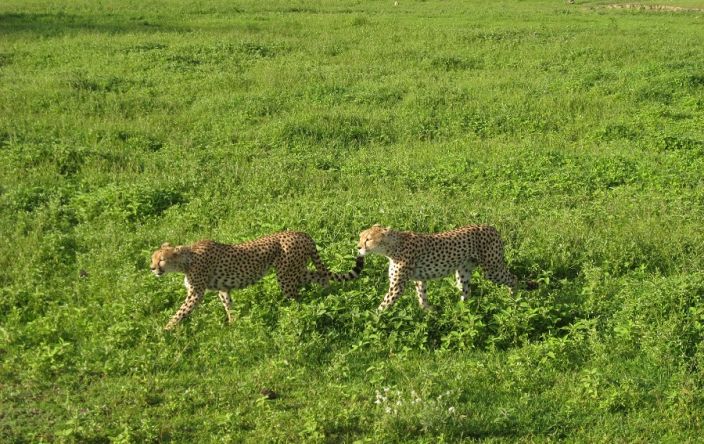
(658, 8)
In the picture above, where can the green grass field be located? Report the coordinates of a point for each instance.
(576, 129)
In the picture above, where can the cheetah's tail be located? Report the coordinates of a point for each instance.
(354, 274)
(325, 274)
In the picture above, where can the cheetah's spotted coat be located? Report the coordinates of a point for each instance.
(209, 265)
(419, 257)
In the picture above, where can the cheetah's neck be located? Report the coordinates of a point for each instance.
(184, 258)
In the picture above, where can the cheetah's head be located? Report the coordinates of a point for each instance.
(377, 239)
(167, 259)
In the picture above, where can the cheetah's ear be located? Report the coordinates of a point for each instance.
(166, 245)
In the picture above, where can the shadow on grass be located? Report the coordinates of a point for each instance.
(54, 24)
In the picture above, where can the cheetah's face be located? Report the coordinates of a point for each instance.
(376, 239)
(164, 260)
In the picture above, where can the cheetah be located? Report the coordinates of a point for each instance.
(419, 257)
(209, 265)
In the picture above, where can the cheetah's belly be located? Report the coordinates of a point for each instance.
(235, 279)
(435, 265)
(435, 268)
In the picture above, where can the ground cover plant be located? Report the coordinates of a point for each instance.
(576, 129)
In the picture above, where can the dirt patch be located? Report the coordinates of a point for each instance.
(657, 8)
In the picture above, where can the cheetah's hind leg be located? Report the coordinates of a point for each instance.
(500, 275)
(321, 275)
(318, 277)
(289, 282)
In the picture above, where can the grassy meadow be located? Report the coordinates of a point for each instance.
(576, 129)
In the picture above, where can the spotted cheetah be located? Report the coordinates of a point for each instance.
(209, 265)
(419, 257)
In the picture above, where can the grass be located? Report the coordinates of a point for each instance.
(576, 129)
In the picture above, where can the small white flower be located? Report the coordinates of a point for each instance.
(451, 410)
(387, 409)
(379, 398)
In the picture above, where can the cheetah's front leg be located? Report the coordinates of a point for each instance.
(397, 282)
(462, 278)
(194, 296)
(422, 295)
(226, 302)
